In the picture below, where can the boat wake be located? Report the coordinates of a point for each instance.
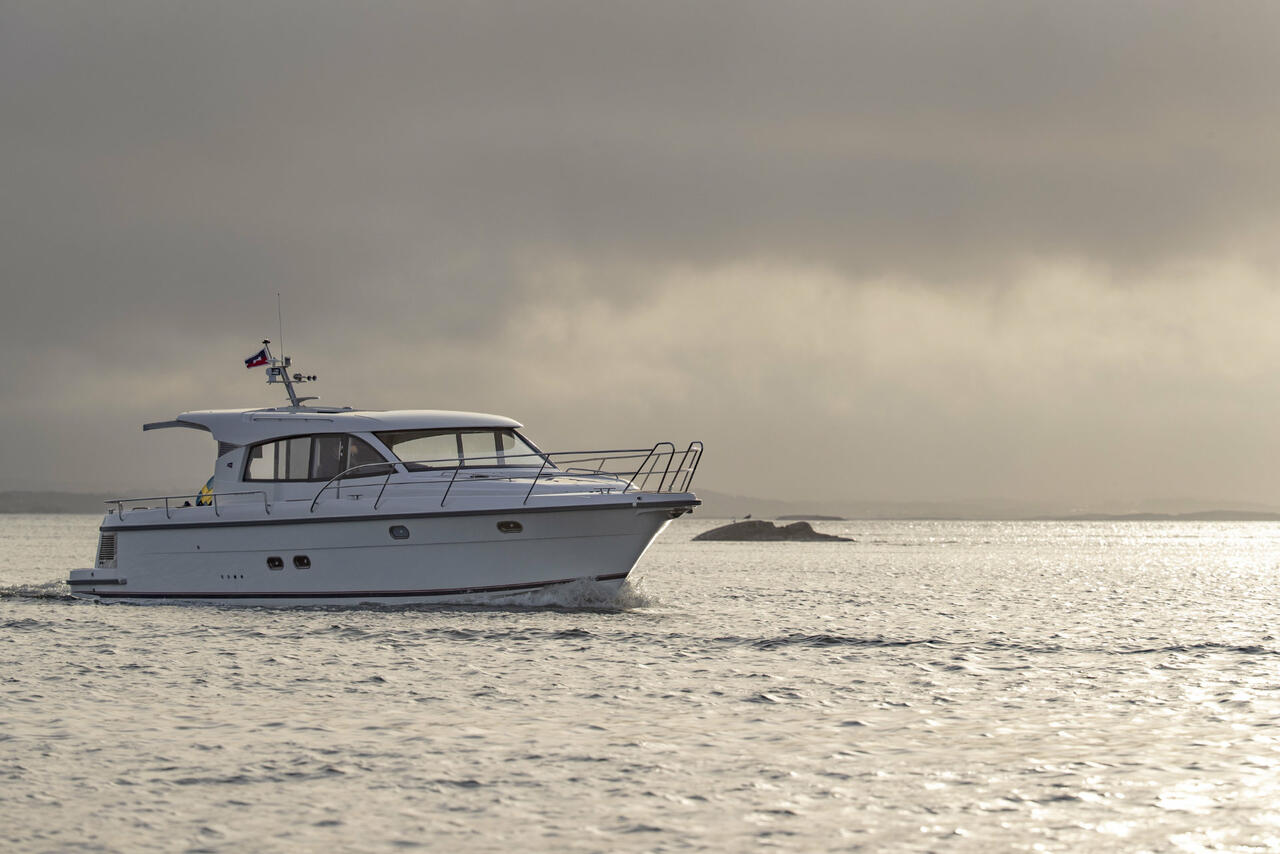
(47, 590)
(583, 594)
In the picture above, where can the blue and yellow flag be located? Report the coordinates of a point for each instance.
(205, 498)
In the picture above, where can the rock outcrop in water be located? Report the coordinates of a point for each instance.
(758, 531)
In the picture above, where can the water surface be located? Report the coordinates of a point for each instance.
(932, 686)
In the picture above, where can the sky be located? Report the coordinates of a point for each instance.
(890, 251)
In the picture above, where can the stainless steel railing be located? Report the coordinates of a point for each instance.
(626, 470)
(194, 502)
(674, 470)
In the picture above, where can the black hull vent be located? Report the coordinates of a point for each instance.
(107, 550)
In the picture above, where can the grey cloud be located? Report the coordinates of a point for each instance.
(698, 131)
(407, 173)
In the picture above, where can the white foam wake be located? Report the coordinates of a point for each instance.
(583, 593)
(46, 590)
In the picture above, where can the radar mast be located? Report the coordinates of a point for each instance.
(278, 372)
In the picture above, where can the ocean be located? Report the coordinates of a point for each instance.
(933, 686)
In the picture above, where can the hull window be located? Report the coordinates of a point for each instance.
(510, 527)
(275, 563)
(302, 561)
(399, 532)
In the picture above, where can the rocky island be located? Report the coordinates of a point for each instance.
(759, 531)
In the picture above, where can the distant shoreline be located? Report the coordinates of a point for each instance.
(1202, 516)
(51, 502)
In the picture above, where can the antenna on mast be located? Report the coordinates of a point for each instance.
(278, 372)
(278, 368)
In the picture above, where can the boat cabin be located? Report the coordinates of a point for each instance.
(291, 453)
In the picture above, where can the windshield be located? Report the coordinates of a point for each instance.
(422, 450)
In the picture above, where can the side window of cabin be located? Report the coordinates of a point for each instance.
(262, 462)
(285, 459)
(336, 454)
(313, 458)
(292, 464)
(328, 458)
(361, 453)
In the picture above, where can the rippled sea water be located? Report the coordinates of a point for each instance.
(934, 686)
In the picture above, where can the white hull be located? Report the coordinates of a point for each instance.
(352, 560)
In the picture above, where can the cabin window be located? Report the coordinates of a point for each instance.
(292, 464)
(422, 450)
(262, 462)
(327, 459)
(314, 458)
(428, 449)
(361, 453)
(479, 449)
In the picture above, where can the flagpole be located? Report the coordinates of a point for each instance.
(278, 372)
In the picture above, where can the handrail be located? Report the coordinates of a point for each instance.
(452, 478)
(551, 465)
(652, 453)
(336, 480)
(695, 448)
(535, 482)
(342, 474)
(168, 510)
(659, 461)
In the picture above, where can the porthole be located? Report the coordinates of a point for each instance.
(275, 563)
(399, 532)
(509, 527)
(302, 561)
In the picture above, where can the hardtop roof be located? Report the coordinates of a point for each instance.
(247, 426)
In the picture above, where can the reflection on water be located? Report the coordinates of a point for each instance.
(957, 686)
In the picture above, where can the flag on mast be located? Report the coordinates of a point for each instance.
(258, 359)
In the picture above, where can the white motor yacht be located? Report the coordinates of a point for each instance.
(320, 505)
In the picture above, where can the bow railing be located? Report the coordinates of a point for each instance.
(661, 469)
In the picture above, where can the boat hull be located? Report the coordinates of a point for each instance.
(382, 559)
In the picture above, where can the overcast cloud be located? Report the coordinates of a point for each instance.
(908, 251)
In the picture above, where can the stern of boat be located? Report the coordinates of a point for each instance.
(86, 583)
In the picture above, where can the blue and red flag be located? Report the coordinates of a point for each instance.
(258, 359)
